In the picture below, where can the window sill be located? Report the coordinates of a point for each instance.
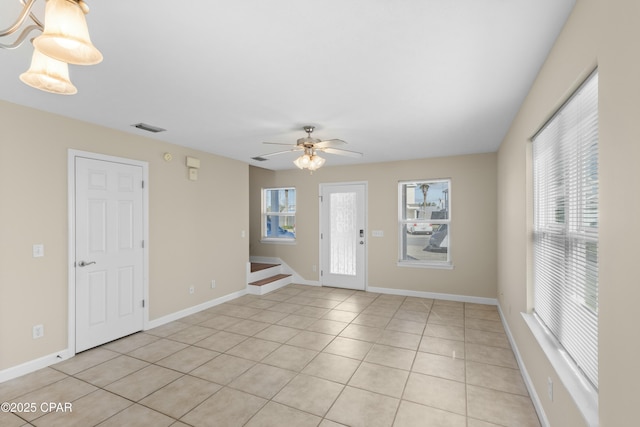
(414, 264)
(582, 392)
(278, 242)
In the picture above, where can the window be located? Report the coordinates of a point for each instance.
(565, 240)
(279, 214)
(424, 223)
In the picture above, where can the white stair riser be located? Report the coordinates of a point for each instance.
(276, 284)
(263, 274)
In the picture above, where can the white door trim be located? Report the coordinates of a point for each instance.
(71, 156)
(366, 227)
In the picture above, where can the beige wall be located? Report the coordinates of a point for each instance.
(189, 220)
(619, 58)
(605, 33)
(195, 227)
(473, 206)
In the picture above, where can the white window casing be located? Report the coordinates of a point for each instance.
(565, 232)
(278, 216)
(424, 223)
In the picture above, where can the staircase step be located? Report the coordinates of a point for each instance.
(269, 279)
(257, 266)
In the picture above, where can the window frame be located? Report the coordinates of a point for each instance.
(404, 221)
(569, 217)
(264, 215)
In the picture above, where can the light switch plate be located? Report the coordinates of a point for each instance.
(377, 233)
(38, 251)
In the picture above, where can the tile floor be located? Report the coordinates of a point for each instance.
(299, 356)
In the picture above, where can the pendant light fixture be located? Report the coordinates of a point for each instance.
(64, 40)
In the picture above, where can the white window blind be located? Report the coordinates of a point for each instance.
(565, 179)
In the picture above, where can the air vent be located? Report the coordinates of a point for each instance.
(259, 159)
(148, 128)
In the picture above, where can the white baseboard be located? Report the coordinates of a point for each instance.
(33, 365)
(300, 281)
(192, 310)
(537, 404)
(266, 260)
(51, 359)
(434, 295)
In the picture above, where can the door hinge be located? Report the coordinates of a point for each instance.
(321, 199)
(143, 244)
(321, 235)
(142, 303)
(321, 273)
(142, 184)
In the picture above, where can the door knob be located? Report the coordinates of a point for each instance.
(84, 263)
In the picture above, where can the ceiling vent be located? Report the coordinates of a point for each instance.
(259, 159)
(148, 128)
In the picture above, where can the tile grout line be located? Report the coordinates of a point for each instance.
(376, 342)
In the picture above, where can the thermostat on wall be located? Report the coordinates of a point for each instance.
(192, 162)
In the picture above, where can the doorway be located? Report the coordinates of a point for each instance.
(109, 264)
(343, 235)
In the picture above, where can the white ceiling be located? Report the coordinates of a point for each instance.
(396, 79)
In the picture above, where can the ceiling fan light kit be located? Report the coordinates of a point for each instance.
(48, 74)
(310, 159)
(64, 40)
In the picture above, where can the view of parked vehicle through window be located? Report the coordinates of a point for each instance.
(424, 222)
(279, 214)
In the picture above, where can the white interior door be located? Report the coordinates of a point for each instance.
(343, 235)
(109, 245)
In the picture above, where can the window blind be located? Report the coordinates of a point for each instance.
(565, 269)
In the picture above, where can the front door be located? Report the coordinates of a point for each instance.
(109, 251)
(343, 235)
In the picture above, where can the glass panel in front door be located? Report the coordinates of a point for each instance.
(343, 211)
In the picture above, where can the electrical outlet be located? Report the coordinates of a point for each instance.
(213, 284)
(38, 331)
(550, 388)
(192, 289)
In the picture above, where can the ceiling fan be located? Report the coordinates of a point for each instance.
(310, 147)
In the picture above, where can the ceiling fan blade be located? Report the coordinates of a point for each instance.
(329, 143)
(278, 152)
(278, 143)
(341, 152)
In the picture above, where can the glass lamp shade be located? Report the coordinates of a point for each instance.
(66, 36)
(303, 161)
(316, 163)
(48, 74)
